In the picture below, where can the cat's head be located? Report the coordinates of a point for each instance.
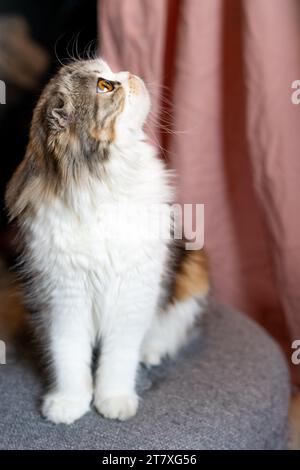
(85, 115)
(85, 109)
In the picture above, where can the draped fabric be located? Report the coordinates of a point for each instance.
(226, 68)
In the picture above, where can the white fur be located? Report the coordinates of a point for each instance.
(103, 286)
(169, 331)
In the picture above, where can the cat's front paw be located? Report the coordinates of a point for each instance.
(60, 407)
(120, 407)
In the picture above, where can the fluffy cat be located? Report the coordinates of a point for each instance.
(87, 283)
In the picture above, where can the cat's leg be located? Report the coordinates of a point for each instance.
(130, 314)
(170, 330)
(70, 340)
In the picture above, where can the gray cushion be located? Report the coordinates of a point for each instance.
(229, 389)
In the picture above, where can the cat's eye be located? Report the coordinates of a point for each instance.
(104, 86)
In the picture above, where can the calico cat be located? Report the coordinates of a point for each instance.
(87, 283)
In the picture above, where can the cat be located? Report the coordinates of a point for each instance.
(86, 283)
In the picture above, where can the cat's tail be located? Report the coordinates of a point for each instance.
(173, 325)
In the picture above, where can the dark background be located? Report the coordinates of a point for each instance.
(62, 28)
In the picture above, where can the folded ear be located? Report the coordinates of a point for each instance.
(59, 114)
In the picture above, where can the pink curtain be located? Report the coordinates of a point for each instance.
(227, 67)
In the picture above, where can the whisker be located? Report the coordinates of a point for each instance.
(76, 46)
(55, 48)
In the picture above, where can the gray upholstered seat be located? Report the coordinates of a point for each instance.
(228, 390)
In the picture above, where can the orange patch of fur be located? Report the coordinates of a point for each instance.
(192, 276)
(107, 134)
(12, 311)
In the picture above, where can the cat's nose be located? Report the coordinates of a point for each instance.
(135, 78)
(136, 84)
(131, 76)
(123, 76)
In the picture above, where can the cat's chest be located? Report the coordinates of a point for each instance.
(117, 234)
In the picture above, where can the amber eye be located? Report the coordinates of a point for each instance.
(104, 86)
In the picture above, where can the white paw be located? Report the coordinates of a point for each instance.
(152, 355)
(120, 407)
(63, 408)
(151, 358)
